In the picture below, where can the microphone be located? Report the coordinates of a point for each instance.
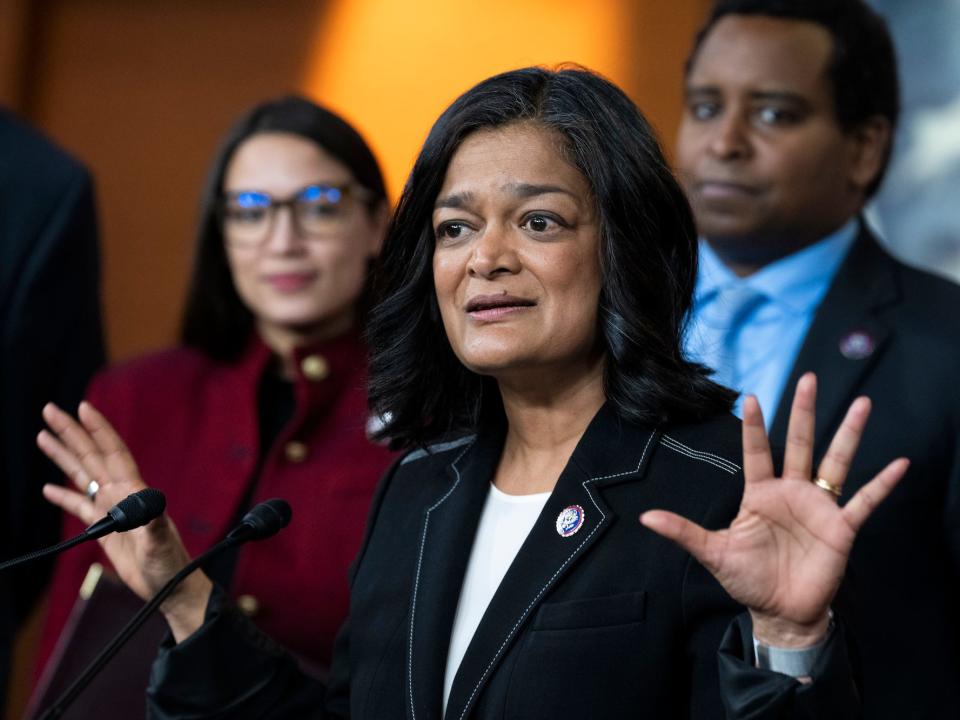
(133, 511)
(264, 520)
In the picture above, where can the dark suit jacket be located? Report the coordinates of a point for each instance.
(611, 622)
(50, 339)
(904, 574)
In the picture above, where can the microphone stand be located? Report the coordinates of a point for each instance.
(70, 694)
(52, 550)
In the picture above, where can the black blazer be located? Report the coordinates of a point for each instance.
(904, 573)
(611, 622)
(50, 339)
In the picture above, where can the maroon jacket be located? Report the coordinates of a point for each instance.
(192, 425)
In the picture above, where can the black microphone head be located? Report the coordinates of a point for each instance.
(137, 509)
(267, 518)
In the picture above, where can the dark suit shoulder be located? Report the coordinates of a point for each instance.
(913, 301)
(697, 470)
(921, 281)
(420, 474)
(30, 163)
(443, 452)
(714, 442)
(925, 328)
(932, 299)
(427, 466)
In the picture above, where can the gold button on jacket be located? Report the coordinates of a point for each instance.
(295, 451)
(248, 605)
(315, 367)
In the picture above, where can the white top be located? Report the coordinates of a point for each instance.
(505, 522)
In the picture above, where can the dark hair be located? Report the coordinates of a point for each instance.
(215, 319)
(863, 69)
(648, 249)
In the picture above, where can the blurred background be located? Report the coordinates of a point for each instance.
(140, 91)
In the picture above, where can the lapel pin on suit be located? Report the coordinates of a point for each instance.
(570, 520)
(857, 345)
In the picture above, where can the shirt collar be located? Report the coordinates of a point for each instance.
(798, 281)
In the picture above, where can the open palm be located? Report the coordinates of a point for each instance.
(90, 450)
(785, 553)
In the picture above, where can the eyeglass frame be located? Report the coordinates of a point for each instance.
(347, 190)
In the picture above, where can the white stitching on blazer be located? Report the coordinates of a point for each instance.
(701, 459)
(559, 570)
(703, 452)
(715, 460)
(416, 584)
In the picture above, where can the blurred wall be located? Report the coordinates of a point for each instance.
(141, 90)
(392, 72)
(916, 210)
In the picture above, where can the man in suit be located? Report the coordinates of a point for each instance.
(50, 341)
(790, 108)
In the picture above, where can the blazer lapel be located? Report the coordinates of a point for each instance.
(547, 556)
(845, 338)
(448, 529)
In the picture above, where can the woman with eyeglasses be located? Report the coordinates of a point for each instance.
(266, 395)
(576, 530)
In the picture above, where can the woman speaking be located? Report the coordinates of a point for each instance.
(526, 350)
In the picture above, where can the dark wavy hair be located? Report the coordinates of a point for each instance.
(648, 249)
(215, 319)
(863, 69)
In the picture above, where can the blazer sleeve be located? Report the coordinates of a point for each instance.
(755, 694)
(230, 669)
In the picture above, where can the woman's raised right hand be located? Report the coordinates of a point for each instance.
(145, 558)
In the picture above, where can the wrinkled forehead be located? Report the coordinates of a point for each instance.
(519, 160)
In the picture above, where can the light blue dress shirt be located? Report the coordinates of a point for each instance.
(751, 329)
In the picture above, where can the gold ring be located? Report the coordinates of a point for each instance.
(824, 484)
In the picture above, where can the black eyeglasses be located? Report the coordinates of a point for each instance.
(319, 211)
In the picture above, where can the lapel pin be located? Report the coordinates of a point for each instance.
(570, 520)
(857, 345)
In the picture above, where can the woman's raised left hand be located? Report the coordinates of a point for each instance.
(785, 553)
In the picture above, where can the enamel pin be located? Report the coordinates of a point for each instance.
(570, 520)
(857, 345)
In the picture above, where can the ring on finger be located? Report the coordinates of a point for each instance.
(825, 484)
(92, 488)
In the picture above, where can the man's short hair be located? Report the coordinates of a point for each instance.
(863, 69)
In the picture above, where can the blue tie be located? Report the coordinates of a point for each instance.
(737, 303)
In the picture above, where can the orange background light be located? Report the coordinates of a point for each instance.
(392, 67)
